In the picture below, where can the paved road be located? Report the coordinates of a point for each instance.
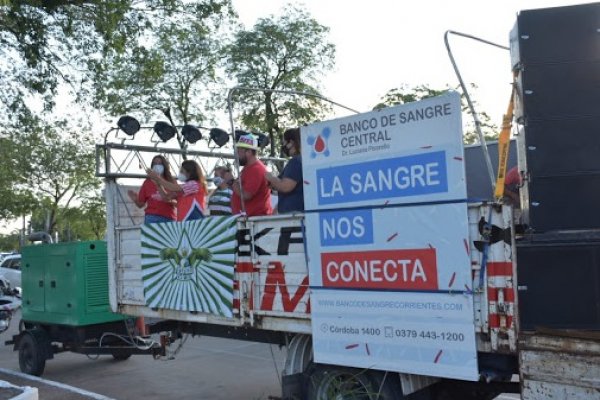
(206, 368)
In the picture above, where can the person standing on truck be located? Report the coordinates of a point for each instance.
(159, 206)
(289, 184)
(219, 202)
(191, 194)
(512, 184)
(254, 188)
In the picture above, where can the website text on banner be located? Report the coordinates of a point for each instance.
(390, 268)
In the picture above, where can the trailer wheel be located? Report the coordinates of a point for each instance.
(121, 355)
(32, 352)
(327, 382)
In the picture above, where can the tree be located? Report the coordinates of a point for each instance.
(289, 52)
(46, 44)
(15, 200)
(86, 221)
(53, 165)
(405, 94)
(10, 242)
(174, 73)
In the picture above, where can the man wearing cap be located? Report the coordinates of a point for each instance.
(254, 188)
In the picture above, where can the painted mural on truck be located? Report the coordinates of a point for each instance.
(189, 266)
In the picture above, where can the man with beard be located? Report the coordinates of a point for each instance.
(254, 188)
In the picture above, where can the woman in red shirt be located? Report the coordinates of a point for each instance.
(191, 194)
(159, 208)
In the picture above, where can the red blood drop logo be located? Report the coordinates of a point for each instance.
(319, 144)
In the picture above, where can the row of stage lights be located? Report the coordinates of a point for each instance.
(165, 131)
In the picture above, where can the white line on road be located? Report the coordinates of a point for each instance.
(59, 385)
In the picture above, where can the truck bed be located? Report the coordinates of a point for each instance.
(271, 286)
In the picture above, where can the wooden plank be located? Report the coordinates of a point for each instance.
(130, 247)
(131, 262)
(557, 367)
(532, 390)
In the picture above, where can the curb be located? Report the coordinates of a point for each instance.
(28, 393)
(72, 389)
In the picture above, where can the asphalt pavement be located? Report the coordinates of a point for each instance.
(205, 368)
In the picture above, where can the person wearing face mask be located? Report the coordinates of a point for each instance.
(190, 194)
(159, 206)
(289, 185)
(219, 202)
(253, 188)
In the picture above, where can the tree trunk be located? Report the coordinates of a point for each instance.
(270, 118)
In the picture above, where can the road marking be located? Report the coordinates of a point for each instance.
(59, 385)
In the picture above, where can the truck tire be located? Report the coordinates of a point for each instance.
(327, 382)
(32, 352)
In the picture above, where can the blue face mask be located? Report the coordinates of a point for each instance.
(159, 169)
(181, 177)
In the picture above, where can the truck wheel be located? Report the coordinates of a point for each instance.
(32, 352)
(327, 382)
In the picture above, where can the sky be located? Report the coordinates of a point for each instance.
(382, 44)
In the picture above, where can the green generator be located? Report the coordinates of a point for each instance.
(66, 284)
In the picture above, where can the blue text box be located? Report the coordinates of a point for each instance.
(412, 175)
(341, 228)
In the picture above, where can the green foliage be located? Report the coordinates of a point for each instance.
(49, 166)
(289, 52)
(405, 94)
(172, 69)
(48, 43)
(9, 243)
(84, 222)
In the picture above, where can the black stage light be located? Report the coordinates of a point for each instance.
(129, 125)
(191, 133)
(164, 130)
(219, 136)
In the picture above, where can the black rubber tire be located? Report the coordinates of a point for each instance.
(456, 391)
(32, 352)
(327, 382)
(121, 355)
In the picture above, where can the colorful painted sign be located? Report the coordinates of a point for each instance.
(189, 266)
(390, 270)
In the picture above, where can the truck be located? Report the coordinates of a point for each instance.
(393, 283)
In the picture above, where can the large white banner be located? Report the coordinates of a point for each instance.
(407, 154)
(388, 247)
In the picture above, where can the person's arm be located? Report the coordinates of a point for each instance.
(163, 183)
(168, 197)
(237, 189)
(133, 196)
(282, 185)
(291, 176)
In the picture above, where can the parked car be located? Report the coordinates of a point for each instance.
(10, 269)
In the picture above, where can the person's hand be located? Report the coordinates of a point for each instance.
(132, 195)
(152, 174)
(235, 186)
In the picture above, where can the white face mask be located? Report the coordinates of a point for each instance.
(217, 180)
(159, 169)
(181, 177)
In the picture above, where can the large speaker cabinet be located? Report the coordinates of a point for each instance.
(555, 53)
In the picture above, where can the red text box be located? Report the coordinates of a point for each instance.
(414, 269)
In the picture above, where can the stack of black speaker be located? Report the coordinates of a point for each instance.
(556, 52)
(556, 55)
